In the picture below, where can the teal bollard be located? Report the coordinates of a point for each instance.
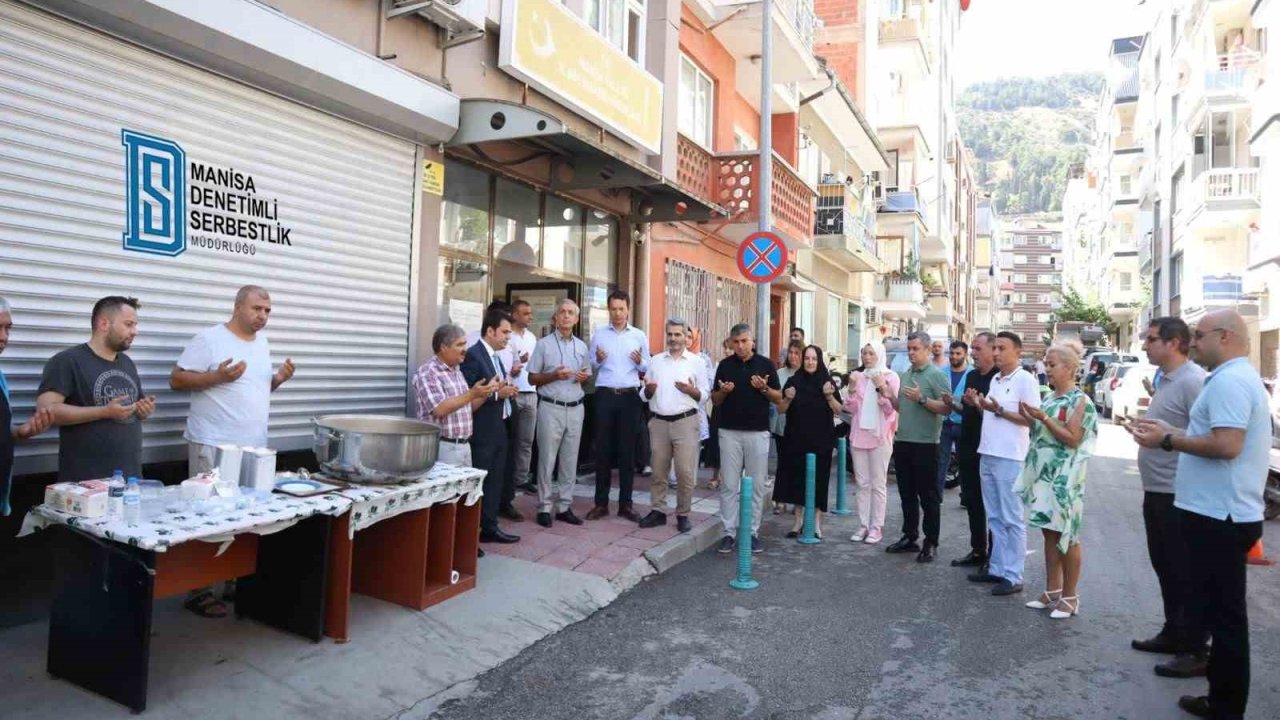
(810, 491)
(744, 581)
(842, 472)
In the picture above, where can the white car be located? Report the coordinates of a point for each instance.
(1128, 397)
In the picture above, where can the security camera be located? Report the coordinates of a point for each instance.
(638, 233)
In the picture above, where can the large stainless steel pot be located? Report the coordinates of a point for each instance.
(375, 448)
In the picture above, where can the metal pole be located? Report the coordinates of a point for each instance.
(765, 177)
(744, 580)
(841, 474)
(809, 536)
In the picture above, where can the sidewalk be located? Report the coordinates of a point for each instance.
(399, 663)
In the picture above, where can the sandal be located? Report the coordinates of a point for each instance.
(206, 605)
(1072, 605)
(1047, 599)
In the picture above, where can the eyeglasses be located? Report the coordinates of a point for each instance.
(1200, 335)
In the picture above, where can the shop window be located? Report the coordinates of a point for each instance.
(463, 292)
(517, 234)
(562, 238)
(602, 247)
(697, 100)
(622, 23)
(595, 309)
(464, 214)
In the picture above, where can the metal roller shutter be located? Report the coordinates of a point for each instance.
(70, 99)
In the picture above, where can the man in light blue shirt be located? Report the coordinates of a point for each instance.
(41, 419)
(1222, 473)
(620, 356)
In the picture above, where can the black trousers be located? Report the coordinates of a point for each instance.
(490, 454)
(617, 424)
(1216, 552)
(971, 488)
(1168, 551)
(916, 468)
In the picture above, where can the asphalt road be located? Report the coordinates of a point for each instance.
(843, 630)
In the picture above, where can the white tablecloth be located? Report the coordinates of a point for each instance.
(443, 484)
(159, 533)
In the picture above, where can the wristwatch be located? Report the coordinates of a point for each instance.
(1166, 443)
(923, 401)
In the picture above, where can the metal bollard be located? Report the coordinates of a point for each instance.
(810, 490)
(842, 471)
(744, 580)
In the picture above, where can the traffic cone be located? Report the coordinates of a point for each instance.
(1255, 556)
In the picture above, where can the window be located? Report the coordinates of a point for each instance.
(621, 22)
(602, 247)
(1156, 149)
(1021, 260)
(697, 100)
(742, 142)
(462, 292)
(562, 237)
(1175, 276)
(1173, 110)
(1126, 282)
(1019, 278)
(891, 177)
(1019, 317)
(1173, 30)
(804, 312)
(810, 160)
(517, 231)
(1175, 197)
(464, 214)
(1126, 185)
(1155, 291)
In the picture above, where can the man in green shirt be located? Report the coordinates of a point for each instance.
(915, 448)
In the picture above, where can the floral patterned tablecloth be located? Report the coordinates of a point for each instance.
(442, 484)
(274, 513)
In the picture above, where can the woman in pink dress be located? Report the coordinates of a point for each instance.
(871, 438)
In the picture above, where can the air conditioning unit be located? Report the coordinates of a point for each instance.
(459, 17)
(873, 316)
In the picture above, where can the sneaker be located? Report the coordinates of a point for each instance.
(860, 536)
(757, 547)
(726, 545)
(874, 536)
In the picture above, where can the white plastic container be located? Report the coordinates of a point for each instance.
(264, 474)
(228, 458)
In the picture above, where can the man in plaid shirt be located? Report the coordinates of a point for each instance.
(444, 398)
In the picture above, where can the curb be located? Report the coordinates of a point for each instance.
(668, 554)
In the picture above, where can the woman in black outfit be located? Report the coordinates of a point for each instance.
(811, 402)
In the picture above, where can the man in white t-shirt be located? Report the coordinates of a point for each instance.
(524, 417)
(227, 369)
(1006, 437)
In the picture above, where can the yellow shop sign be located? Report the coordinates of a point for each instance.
(548, 46)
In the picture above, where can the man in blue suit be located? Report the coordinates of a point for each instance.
(489, 437)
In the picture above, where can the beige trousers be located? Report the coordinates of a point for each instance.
(680, 442)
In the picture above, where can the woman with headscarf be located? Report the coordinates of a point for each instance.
(778, 423)
(874, 423)
(811, 403)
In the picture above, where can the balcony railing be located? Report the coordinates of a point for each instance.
(802, 17)
(693, 167)
(1229, 184)
(1222, 289)
(903, 20)
(898, 290)
(842, 212)
(1125, 140)
(1144, 250)
(1229, 74)
(905, 201)
(737, 176)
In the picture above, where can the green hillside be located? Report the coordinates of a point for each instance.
(1025, 132)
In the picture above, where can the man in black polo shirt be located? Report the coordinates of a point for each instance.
(977, 383)
(746, 383)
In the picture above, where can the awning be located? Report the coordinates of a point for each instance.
(253, 43)
(577, 162)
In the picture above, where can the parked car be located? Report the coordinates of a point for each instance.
(1096, 361)
(1128, 397)
(1272, 492)
(1110, 380)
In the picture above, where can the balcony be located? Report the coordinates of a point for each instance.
(792, 211)
(1144, 251)
(1222, 290)
(902, 214)
(1229, 81)
(900, 299)
(844, 230)
(1126, 143)
(693, 167)
(738, 27)
(1223, 190)
(904, 27)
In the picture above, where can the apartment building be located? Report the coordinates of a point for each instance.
(1199, 67)
(918, 223)
(1081, 268)
(1262, 274)
(1031, 281)
(986, 267)
(1120, 161)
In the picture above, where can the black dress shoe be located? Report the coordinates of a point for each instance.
(1198, 706)
(926, 553)
(973, 559)
(510, 513)
(544, 519)
(653, 519)
(985, 577)
(683, 524)
(1159, 644)
(626, 511)
(1005, 587)
(568, 517)
(497, 536)
(1185, 665)
(906, 544)
(529, 487)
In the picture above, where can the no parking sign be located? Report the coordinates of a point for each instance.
(762, 257)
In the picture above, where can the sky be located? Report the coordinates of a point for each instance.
(1001, 38)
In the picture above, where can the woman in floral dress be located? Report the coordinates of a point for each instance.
(1063, 430)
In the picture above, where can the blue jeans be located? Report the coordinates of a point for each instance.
(1004, 517)
(950, 434)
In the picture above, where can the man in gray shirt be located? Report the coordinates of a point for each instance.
(1175, 390)
(560, 364)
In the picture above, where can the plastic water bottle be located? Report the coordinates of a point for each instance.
(132, 502)
(115, 496)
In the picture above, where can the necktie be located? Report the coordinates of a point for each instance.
(502, 374)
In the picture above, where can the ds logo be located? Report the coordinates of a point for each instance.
(155, 181)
